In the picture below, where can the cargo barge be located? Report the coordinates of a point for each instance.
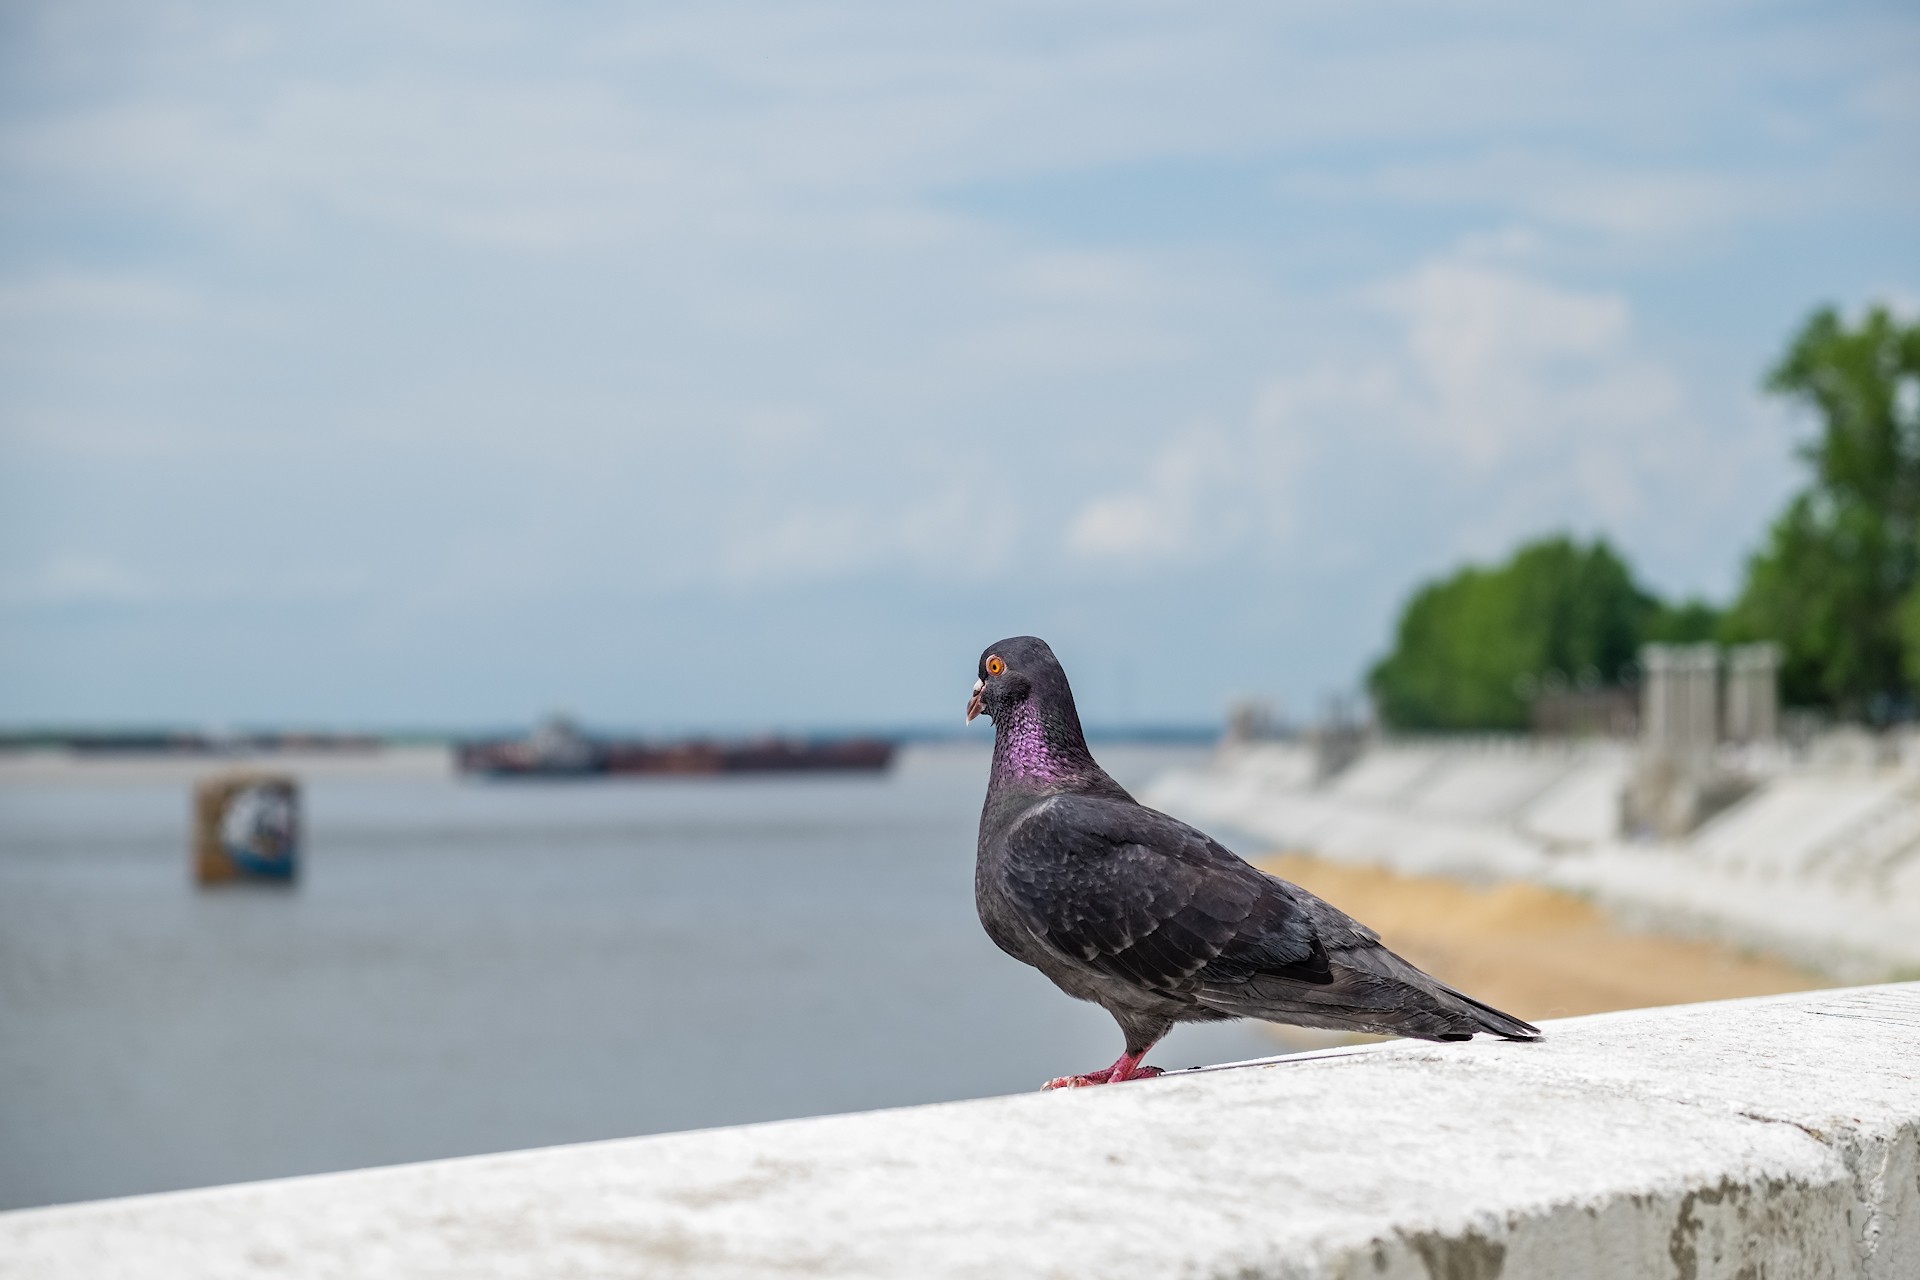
(559, 750)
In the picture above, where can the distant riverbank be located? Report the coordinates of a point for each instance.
(52, 766)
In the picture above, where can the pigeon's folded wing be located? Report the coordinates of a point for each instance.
(1140, 896)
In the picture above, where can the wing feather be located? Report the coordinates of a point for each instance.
(1140, 896)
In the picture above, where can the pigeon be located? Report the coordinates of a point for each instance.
(1155, 921)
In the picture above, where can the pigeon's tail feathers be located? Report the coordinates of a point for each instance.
(1373, 990)
(1353, 1001)
(1454, 1015)
(1493, 1021)
(1432, 1010)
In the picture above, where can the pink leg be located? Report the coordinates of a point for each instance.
(1127, 1068)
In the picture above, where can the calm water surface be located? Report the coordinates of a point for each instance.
(471, 967)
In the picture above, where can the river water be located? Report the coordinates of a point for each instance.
(469, 967)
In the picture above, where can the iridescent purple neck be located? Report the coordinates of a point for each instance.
(1021, 749)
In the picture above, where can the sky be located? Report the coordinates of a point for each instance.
(755, 365)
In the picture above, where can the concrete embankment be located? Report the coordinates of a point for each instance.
(1817, 865)
(1776, 1137)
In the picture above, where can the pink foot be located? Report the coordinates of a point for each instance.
(1128, 1068)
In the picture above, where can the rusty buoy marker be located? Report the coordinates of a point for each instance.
(246, 827)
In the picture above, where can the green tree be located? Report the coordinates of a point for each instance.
(1838, 580)
(1692, 621)
(1910, 635)
(1466, 645)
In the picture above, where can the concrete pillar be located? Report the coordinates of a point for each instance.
(1680, 699)
(1680, 707)
(1702, 665)
(1753, 693)
(1673, 787)
(1656, 697)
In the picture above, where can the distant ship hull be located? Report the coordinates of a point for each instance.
(513, 758)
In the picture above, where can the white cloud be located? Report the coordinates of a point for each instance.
(734, 123)
(1567, 192)
(1199, 498)
(513, 305)
(776, 431)
(1496, 382)
(1078, 278)
(79, 578)
(1501, 362)
(69, 579)
(802, 544)
(954, 535)
(92, 297)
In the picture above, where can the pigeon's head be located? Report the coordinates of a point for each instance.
(1035, 730)
(1014, 672)
(1037, 739)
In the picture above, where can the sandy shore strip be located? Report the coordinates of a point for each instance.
(1532, 951)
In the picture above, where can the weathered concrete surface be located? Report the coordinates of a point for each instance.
(1776, 1137)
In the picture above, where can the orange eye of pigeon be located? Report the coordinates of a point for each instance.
(995, 666)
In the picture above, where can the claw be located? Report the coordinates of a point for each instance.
(1125, 1069)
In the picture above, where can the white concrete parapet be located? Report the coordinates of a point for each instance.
(1776, 1137)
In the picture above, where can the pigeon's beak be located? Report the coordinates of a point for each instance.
(974, 704)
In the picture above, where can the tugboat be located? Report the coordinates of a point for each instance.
(559, 749)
